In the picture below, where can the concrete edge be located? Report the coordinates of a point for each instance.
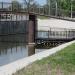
(11, 68)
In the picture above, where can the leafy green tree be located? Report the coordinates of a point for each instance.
(73, 4)
(64, 6)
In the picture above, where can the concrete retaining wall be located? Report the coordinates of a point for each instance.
(13, 27)
(11, 68)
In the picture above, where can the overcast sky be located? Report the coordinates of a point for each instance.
(39, 1)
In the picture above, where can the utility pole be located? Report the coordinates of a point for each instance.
(71, 9)
(56, 8)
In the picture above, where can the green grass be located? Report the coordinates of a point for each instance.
(43, 17)
(61, 63)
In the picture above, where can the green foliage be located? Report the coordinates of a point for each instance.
(73, 3)
(63, 6)
(62, 62)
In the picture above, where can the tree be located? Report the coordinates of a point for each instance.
(29, 3)
(64, 6)
(16, 6)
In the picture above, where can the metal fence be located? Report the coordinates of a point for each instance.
(56, 33)
(14, 30)
(44, 10)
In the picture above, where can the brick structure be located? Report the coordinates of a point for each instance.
(32, 34)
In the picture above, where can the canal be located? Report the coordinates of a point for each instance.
(13, 48)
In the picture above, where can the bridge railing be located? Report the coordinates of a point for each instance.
(4, 6)
(38, 10)
(56, 34)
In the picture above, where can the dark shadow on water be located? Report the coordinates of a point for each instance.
(15, 47)
(12, 48)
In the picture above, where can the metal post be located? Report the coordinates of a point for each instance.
(71, 8)
(43, 11)
(2, 5)
(56, 9)
(48, 34)
(39, 10)
(12, 6)
(49, 4)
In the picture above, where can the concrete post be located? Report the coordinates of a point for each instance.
(31, 34)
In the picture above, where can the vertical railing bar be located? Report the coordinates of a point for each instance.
(48, 34)
(39, 9)
(2, 5)
(12, 7)
(43, 11)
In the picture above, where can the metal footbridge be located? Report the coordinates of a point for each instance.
(14, 19)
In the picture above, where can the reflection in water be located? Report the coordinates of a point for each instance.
(13, 47)
(12, 51)
(13, 41)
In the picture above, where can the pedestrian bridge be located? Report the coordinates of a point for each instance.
(18, 21)
(21, 30)
(55, 30)
(22, 9)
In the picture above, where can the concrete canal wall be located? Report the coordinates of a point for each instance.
(13, 27)
(11, 68)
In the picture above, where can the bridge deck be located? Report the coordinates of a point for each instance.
(57, 24)
(55, 30)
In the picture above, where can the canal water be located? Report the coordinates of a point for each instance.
(12, 48)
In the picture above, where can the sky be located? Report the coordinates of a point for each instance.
(39, 1)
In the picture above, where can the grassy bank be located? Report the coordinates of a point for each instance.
(61, 63)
